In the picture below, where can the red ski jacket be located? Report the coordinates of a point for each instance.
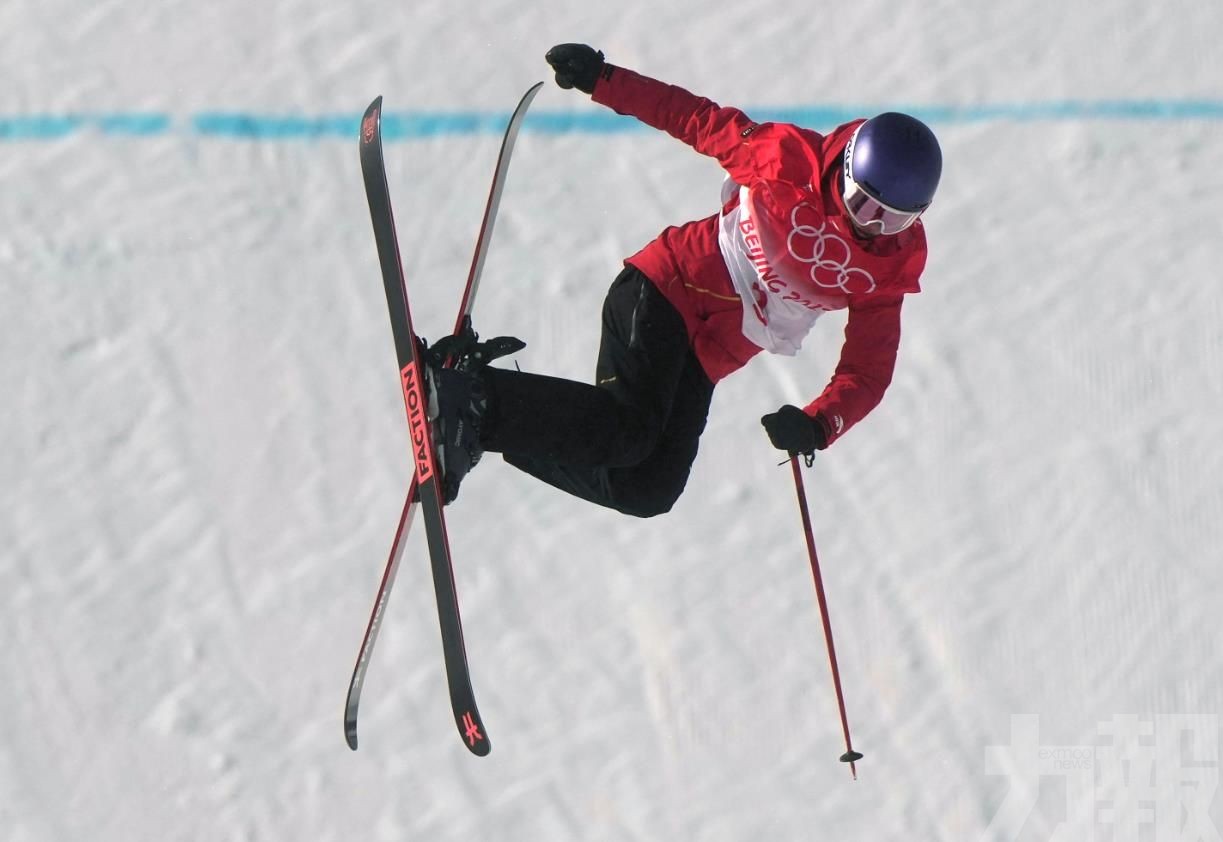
(780, 252)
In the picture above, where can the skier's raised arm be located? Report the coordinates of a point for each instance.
(713, 130)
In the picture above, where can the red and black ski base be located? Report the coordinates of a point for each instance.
(426, 484)
(428, 477)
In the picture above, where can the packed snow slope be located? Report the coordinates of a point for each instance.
(203, 451)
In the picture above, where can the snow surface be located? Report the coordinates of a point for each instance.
(204, 451)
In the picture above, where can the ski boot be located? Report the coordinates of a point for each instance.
(458, 400)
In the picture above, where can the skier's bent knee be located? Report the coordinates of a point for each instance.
(645, 506)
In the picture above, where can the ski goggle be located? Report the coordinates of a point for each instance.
(868, 212)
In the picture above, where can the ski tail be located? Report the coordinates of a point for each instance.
(353, 701)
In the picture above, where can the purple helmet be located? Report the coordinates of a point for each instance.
(892, 168)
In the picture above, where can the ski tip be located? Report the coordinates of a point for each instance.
(350, 734)
(529, 96)
(371, 123)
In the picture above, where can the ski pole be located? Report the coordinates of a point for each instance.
(850, 755)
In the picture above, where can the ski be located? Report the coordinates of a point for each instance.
(428, 475)
(425, 484)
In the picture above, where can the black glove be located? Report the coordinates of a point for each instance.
(576, 65)
(794, 431)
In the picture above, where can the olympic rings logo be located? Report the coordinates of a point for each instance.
(828, 254)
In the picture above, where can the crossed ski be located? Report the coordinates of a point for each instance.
(426, 482)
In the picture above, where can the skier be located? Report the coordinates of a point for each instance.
(808, 223)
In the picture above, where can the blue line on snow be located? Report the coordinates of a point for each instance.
(53, 127)
(422, 125)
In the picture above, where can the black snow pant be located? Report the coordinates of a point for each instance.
(627, 442)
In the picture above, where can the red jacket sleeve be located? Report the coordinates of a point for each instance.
(868, 359)
(707, 127)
